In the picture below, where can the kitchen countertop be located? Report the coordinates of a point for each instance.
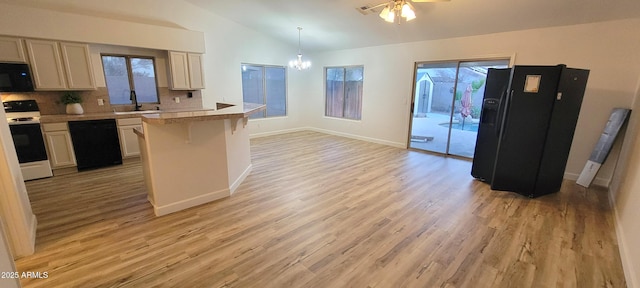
(55, 118)
(224, 111)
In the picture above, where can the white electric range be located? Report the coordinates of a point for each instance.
(24, 122)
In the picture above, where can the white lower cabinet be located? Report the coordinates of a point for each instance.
(59, 145)
(128, 139)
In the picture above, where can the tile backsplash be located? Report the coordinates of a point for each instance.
(49, 101)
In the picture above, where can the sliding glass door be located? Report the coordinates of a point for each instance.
(446, 105)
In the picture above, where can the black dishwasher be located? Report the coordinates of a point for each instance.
(95, 143)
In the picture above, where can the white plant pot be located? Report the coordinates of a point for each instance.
(74, 108)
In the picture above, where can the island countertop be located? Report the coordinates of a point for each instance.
(224, 111)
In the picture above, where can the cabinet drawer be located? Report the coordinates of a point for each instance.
(49, 127)
(129, 121)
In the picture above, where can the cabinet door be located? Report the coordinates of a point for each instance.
(11, 50)
(77, 64)
(46, 65)
(179, 70)
(196, 74)
(60, 149)
(129, 141)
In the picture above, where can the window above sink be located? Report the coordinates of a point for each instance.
(125, 75)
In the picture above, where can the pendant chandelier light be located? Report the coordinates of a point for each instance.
(298, 63)
(396, 9)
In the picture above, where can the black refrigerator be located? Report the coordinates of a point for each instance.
(528, 118)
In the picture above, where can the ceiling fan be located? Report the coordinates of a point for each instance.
(395, 10)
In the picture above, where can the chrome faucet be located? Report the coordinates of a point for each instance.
(133, 98)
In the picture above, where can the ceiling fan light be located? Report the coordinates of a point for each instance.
(407, 12)
(388, 14)
(385, 13)
(391, 18)
(410, 16)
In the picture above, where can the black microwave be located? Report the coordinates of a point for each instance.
(15, 77)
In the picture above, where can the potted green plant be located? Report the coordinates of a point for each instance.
(72, 99)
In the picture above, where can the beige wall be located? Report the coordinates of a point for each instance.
(47, 24)
(625, 195)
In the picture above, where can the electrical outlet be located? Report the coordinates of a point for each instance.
(176, 99)
(100, 102)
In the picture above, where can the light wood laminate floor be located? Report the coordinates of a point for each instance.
(323, 211)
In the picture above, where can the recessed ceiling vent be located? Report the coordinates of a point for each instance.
(365, 9)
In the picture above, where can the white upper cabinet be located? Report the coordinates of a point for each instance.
(178, 68)
(186, 71)
(11, 50)
(196, 73)
(60, 66)
(77, 64)
(46, 65)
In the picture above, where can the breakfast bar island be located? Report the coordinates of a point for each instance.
(194, 157)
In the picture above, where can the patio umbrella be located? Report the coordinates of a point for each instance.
(466, 104)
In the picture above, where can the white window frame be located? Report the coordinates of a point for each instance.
(264, 89)
(345, 67)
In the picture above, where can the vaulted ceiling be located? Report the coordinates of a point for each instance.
(336, 24)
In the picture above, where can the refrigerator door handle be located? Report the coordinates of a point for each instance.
(506, 115)
(498, 122)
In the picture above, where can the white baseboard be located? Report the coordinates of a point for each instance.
(240, 179)
(630, 277)
(278, 132)
(598, 181)
(202, 199)
(330, 132)
(358, 137)
(188, 203)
